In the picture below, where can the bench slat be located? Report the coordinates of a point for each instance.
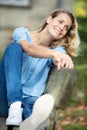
(60, 84)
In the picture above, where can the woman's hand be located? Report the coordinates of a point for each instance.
(62, 60)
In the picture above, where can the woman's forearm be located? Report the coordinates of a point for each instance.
(59, 59)
(37, 50)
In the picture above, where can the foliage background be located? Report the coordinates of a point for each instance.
(81, 61)
(75, 116)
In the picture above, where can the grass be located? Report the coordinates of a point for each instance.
(74, 127)
(72, 118)
(82, 76)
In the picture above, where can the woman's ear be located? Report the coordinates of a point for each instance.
(49, 19)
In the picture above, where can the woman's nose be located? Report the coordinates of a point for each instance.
(62, 27)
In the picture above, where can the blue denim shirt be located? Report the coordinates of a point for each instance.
(34, 70)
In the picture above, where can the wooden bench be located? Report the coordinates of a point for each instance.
(60, 84)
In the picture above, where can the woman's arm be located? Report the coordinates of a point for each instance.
(59, 59)
(36, 50)
(22, 35)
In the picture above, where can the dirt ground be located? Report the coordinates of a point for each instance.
(72, 115)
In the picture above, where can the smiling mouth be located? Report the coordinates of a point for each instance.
(58, 31)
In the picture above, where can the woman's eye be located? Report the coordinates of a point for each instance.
(60, 21)
(66, 28)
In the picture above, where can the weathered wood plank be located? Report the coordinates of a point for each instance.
(60, 84)
(2, 123)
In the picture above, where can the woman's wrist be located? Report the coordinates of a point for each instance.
(57, 54)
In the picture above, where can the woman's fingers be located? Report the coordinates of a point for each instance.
(65, 61)
(62, 60)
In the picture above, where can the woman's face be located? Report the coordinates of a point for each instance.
(59, 26)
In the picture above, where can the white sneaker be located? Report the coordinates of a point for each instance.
(41, 111)
(44, 125)
(14, 116)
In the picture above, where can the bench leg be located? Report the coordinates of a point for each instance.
(10, 127)
(55, 119)
(46, 128)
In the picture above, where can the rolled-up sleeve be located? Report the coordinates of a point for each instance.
(20, 33)
(61, 49)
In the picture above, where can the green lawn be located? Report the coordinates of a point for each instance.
(74, 127)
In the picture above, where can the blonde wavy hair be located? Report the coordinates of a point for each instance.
(71, 40)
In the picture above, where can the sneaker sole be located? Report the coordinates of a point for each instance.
(13, 124)
(41, 111)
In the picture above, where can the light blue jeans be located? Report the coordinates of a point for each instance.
(10, 81)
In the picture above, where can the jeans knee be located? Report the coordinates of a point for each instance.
(14, 48)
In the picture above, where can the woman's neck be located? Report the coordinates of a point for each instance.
(41, 38)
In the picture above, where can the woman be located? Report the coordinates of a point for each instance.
(27, 61)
